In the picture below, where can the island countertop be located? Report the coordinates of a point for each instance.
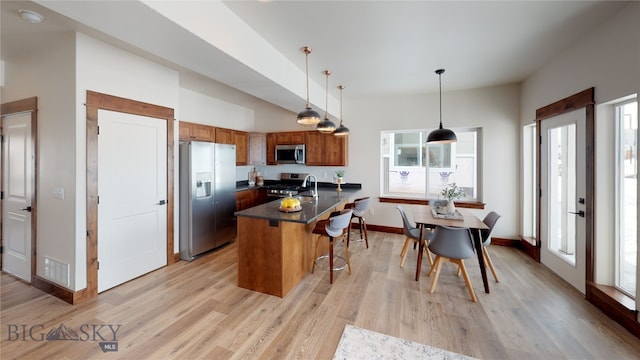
(312, 208)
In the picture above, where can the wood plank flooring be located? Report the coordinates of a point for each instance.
(196, 311)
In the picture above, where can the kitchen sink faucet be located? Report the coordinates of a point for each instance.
(314, 193)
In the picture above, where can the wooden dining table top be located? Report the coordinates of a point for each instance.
(424, 216)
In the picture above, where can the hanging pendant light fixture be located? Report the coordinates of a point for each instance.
(308, 116)
(341, 130)
(326, 125)
(441, 136)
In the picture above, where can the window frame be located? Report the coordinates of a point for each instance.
(618, 201)
(387, 166)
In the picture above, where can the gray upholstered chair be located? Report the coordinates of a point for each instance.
(489, 220)
(451, 244)
(412, 234)
(359, 207)
(333, 227)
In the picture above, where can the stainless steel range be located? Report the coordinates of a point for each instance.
(290, 183)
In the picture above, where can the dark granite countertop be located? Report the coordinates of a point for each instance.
(311, 209)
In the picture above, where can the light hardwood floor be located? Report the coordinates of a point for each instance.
(195, 310)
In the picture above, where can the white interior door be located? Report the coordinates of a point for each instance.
(132, 190)
(562, 205)
(17, 171)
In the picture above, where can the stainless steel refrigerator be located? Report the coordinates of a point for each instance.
(207, 197)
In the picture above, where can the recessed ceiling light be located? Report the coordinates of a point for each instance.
(31, 16)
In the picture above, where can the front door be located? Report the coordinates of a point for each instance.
(132, 194)
(18, 185)
(563, 197)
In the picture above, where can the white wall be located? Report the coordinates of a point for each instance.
(495, 109)
(107, 69)
(48, 73)
(609, 60)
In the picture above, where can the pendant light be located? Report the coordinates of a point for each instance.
(441, 136)
(326, 125)
(341, 130)
(308, 116)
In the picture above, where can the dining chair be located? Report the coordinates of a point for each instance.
(490, 220)
(334, 227)
(451, 244)
(412, 234)
(359, 207)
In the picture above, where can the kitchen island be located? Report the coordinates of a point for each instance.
(275, 248)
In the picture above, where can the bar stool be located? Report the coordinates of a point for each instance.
(359, 207)
(334, 227)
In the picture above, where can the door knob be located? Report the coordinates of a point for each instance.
(28, 208)
(579, 213)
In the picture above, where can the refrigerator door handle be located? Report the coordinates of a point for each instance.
(162, 202)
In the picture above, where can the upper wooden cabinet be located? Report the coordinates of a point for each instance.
(272, 140)
(239, 138)
(258, 149)
(224, 136)
(290, 137)
(199, 132)
(326, 149)
(321, 149)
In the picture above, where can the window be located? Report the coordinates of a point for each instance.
(413, 168)
(626, 199)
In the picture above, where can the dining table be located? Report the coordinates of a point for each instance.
(424, 218)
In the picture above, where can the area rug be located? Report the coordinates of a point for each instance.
(358, 343)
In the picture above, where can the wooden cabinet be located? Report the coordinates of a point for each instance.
(321, 149)
(326, 149)
(199, 132)
(272, 140)
(249, 198)
(257, 149)
(239, 138)
(224, 136)
(290, 137)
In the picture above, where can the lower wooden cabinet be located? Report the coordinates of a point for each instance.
(249, 198)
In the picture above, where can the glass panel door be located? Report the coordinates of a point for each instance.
(563, 201)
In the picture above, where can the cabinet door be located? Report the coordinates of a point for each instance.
(186, 130)
(192, 131)
(315, 148)
(257, 149)
(241, 139)
(291, 138)
(272, 139)
(202, 132)
(336, 150)
(224, 136)
(243, 199)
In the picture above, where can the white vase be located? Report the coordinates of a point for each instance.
(451, 207)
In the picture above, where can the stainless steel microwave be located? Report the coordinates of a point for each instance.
(290, 154)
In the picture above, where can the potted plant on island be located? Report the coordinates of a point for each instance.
(339, 178)
(452, 192)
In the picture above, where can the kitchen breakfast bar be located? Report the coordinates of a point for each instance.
(275, 248)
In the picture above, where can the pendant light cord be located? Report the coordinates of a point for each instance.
(326, 97)
(306, 60)
(440, 82)
(341, 87)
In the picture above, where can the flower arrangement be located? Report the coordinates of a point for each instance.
(452, 192)
(340, 173)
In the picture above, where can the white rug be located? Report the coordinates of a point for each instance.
(358, 343)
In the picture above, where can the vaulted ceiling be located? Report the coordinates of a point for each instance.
(374, 48)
